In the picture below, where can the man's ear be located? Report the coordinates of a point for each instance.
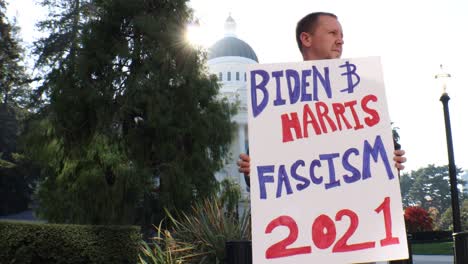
(306, 39)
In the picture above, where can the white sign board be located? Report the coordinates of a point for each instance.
(324, 188)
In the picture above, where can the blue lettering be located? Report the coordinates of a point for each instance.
(254, 86)
(331, 170)
(313, 164)
(305, 97)
(350, 72)
(277, 75)
(283, 180)
(356, 174)
(305, 181)
(263, 179)
(324, 80)
(294, 89)
(374, 151)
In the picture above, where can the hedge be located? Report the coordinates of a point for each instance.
(431, 236)
(24, 242)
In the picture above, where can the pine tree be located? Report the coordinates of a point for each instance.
(428, 187)
(13, 78)
(15, 174)
(13, 83)
(133, 116)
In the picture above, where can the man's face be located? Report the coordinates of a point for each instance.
(325, 42)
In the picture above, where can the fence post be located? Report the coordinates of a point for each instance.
(461, 247)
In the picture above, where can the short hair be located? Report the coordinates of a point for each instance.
(308, 24)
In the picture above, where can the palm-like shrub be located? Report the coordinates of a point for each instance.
(199, 236)
(165, 250)
(209, 227)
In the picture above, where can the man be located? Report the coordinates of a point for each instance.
(319, 36)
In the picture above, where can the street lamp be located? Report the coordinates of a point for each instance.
(461, 254)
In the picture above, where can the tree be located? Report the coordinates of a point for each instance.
(406, 182)
(427, 187)
(446, 221)
(16, 179)
(417, 219)
(134, 123)
(13, 84)
(13, 78)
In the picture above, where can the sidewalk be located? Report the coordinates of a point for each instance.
(433, 259)
(430, 259)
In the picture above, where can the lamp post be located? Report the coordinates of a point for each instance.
(461, 254)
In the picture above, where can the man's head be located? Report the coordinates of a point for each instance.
(319, 36)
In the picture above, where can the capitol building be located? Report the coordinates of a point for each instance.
(227, 59)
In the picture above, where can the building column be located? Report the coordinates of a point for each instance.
(241, 134)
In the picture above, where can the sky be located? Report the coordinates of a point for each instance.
(412, 38)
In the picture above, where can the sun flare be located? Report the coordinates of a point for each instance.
(198, 35)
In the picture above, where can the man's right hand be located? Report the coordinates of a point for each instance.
(244, 164)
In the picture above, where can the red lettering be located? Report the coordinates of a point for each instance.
(351, 105)
(374, 115)
(308, 117)
(288, 124)
(322, 113)
(280, 250)
(339, 111)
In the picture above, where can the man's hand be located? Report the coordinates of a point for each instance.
(399, 159)
(244, 164)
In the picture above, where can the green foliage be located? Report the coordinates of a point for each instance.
(8, 131)
(208, 227)
(17, 182)
(166, 250)
(45, 243)
(230, 195)
(18, 175)
(446, 220)
(427, 187)
(5, 164)
(13, 78)
(133, 123)
(99, 187)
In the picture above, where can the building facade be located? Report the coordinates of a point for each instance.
(228, 59)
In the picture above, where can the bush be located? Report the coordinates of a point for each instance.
(23, 242)
(199, 236)
(431, 236)
(417, 219)
(166, 250)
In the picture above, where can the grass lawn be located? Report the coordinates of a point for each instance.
(438, 248)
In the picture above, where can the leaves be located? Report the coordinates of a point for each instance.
(133, 122)
(13, 77)
(207, 227)
(417, 219)
(427, 187)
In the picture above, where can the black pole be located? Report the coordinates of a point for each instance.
(409, 260)
(461, 254)
(452, 169)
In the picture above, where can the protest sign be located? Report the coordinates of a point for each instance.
(324, 188)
